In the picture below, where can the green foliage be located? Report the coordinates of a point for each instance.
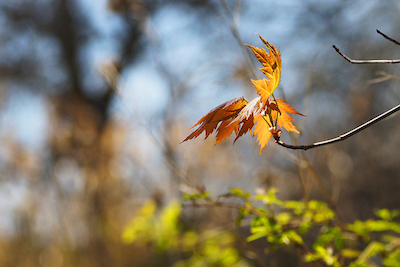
(187, 197)
(163, 230)
(148, 227)
(311, 227)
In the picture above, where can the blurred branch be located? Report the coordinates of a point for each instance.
(371, 61)
(233, 27)
(213, 204)
(385, 76)
(342, 136)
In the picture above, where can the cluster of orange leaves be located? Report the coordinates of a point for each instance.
(265, 112)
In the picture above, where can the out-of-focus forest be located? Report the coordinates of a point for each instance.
(97, 96)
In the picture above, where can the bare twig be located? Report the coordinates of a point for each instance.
(385, 76)
(367, 61)
(342, 136)
(371, 61)
(364, 125)
(233, 24)
(387, 37)
(225, 205)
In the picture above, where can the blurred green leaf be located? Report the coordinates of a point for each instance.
(270, 197)
(283, 218)
(393, 259)
(298, 207)
(350, 253)
(331, 234)
(238, 192)
(326, 254)
(187, 197)
(256, 235)
(357, 264)
(291, 237)
(140, 228)
(386, 214)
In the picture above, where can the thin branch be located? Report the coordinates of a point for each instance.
(224, 205)
(385, 76)
(367, 61)
(371, 61)
(342, 136)
(387, 37)
(380, 79)
(362, 126)
(233, 27)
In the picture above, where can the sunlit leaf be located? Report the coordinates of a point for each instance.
(265, 113)
(262, 131)
(271, 63)
(284, 119)
(224, 112)
(264, 88)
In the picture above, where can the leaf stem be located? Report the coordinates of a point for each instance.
(277, 113)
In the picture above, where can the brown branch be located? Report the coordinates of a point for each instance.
(367, 61)
(342, 136)
(371, 61)
(385, 76)
(387, 37)
(362, 126)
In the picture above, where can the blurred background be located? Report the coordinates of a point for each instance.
(96, 96)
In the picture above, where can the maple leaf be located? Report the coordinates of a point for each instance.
(264, 88)
(264, 127)
(265, 124)
(284, 120)
(224, 113)
(271, 68)
(262, 131)
(264, 112)
(239, 116)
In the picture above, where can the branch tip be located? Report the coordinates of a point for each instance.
(369, 61)
(388, 38)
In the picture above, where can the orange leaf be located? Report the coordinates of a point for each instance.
(239, 116)
(284, 120)
(247, 125)
(225, 112)
(264, 89)
(271, 67)
(225, 130)
(262, 131)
